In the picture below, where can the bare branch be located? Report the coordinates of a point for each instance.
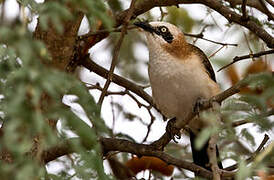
(245, 16)
(213, 54)
(92, 66)
(152, 118)
(116, 52)
(231, 16)
(103, 31)
(126, 92)
(201, 36)
(239, 58)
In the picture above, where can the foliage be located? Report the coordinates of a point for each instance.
(32, 95)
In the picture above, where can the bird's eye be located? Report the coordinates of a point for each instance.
(163, 29)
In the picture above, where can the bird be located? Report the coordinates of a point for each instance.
(180, 74)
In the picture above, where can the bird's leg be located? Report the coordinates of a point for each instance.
(173, 131)
(198, 105)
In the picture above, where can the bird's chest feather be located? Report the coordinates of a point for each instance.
(176, 84)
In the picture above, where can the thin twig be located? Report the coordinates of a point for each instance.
(116, 52)
(213, 54)
(244, 16)
(163, 14)
(241, 122)
(113, 117)
(263, 154)
(268, 13)
(201, 36)
(126, 92)
(251, 158)
(247, 43)
(152, 118)
(119, 29)
(131, 86)
(239, 58)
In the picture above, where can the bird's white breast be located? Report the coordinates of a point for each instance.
(177, 84)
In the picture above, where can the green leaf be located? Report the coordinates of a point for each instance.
(204, 136)
(244, 171)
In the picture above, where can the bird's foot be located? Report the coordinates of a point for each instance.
(199, 105)
(172, 130)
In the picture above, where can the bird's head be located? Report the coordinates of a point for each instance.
(164, 36)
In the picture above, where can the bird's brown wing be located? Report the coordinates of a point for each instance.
(205, 61)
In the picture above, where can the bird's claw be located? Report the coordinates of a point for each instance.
(198, 105)
(173, 131)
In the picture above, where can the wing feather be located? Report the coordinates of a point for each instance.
(205, 61)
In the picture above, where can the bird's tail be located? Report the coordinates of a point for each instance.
(200, 157)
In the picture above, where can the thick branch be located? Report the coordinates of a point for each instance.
(145, 5)
(112, 144)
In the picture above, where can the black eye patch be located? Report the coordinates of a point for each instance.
(164, 32)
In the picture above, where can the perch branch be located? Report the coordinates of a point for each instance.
(165, 139)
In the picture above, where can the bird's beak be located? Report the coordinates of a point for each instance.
(145, 26)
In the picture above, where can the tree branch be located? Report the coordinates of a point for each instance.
(211, 150)
(251, 3)
(165, 139)
(92, 66)
(121, 145)
(145, 5)
(239, 58)
(201, 36)
(245, 16)
(116, 52)
(267, 12)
